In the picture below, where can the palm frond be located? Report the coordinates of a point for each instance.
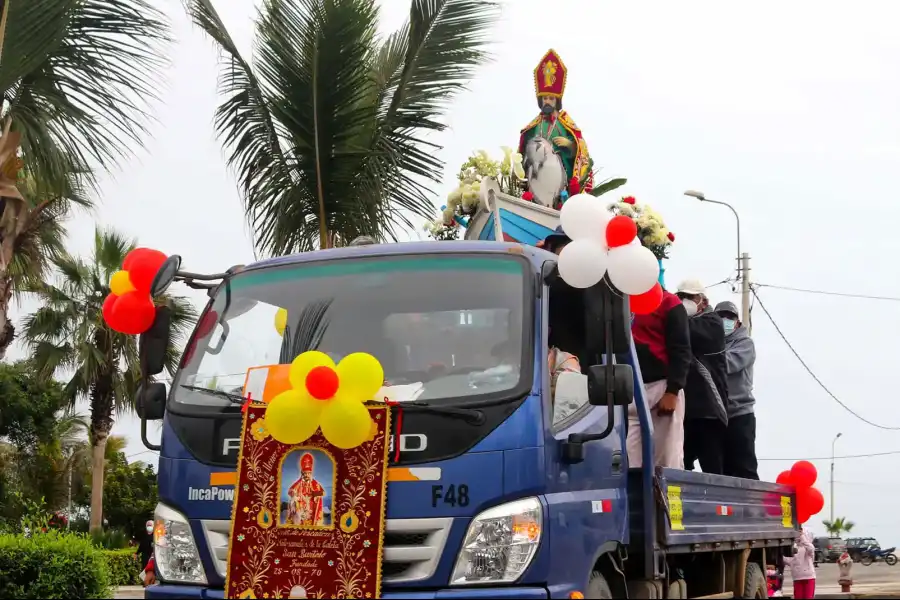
(77, 80)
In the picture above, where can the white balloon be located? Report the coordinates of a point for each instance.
(632, 269)
(584, 217)
(582, 263)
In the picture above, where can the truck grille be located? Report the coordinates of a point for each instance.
(412, 547)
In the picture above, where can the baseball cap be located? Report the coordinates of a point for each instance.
(557, 236)
(691, 287)
(727, 307)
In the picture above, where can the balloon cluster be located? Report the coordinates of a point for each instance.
(605, 244)
(802, 477)
(129, 307)
(326, 396)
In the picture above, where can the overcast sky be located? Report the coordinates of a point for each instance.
(788, 111)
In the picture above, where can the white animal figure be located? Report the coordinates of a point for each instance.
(544, 171)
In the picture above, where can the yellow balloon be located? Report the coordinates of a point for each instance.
(120, 283)
(281, 320)
(345, 423)
(361, 376)
(305, 363)
(292, 417)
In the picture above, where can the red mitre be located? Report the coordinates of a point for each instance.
(550, 76)
(306, 462)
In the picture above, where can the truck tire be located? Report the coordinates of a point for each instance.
(598, 588)
(755, 582)
(678, 590)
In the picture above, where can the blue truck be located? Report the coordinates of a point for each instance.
(483, 446)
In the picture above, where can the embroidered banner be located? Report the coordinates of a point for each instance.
(308, 519)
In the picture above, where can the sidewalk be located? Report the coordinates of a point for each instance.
(876, 590)
(129, 592)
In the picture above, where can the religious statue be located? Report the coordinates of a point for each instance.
(306, 496)
(558, 131)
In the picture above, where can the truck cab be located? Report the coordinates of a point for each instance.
(497, 490)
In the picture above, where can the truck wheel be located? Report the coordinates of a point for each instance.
(598, 588)
(755, 582)
(891, 560)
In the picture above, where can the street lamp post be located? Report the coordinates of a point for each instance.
(743, 260)
(832, 475)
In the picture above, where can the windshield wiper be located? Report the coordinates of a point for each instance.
(472, 415)
(235, 398)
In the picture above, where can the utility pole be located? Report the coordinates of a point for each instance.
(745, 291)
(831, 501)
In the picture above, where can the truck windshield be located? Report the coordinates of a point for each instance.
(450, 327)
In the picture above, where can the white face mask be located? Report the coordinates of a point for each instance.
(690, 306)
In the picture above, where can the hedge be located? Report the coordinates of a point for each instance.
(124, 567)
(52, 565)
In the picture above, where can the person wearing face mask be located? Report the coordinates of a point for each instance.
(740, 354)
(706, 391)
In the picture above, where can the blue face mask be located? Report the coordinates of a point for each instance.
(729, 325)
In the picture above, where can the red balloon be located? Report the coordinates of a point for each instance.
(322, 382)
(785, 478)
(620, 231)
(142, 265)
(804, 474)
(646, 303)
(133, 313)
(107, 308)
(811, 500)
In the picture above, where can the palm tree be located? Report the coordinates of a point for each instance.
(75, 85)
(327, 128)
(68, 336)
(839, 526)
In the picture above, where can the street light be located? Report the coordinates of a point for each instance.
(743, 262)
(832, 475)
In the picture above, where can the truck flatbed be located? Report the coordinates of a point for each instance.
(700, 512)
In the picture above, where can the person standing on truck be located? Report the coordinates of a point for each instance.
(706, 391)
(663, 349)
(803, 571)
(740, 354)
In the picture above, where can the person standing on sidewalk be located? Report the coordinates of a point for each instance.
(706, 391)
(803, 571)
(740, 355)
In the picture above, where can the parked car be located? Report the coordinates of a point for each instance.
(856, 546)
(828, 549)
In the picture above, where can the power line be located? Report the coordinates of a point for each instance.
(842, 457)
(828, 293)
(810, 371)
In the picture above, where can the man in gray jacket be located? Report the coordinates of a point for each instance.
(740, 354)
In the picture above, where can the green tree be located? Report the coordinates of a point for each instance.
(40, 437)
(839, 526)
(68, 335)
(129, 495)
(327, 129)
(76, 81)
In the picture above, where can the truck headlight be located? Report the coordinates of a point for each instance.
(177, 557)
(500, 543)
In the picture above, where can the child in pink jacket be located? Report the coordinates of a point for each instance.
(803, 570)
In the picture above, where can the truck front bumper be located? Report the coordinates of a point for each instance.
(169, 592)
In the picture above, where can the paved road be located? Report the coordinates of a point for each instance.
(878, 577)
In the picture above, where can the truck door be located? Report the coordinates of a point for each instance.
(587, 499)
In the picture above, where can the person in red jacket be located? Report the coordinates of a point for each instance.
(663, 346)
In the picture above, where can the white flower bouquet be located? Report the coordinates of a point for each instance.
(652, 230)
(465, 199)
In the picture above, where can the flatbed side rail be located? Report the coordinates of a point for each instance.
(702, 512)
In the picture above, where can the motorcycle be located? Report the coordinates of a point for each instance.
(871, 555)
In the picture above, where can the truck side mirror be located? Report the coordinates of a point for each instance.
(154, 342)
(622, 385)
(150, 403)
